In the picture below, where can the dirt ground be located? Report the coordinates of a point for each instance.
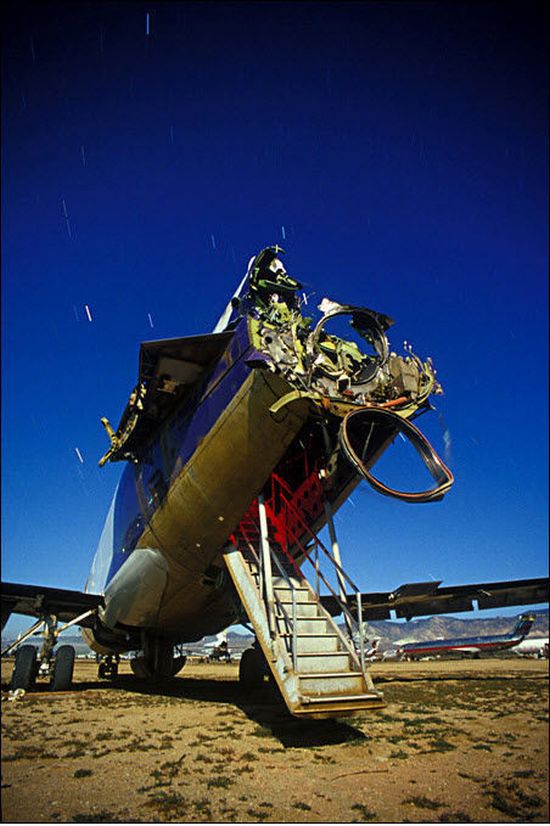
(462, 741)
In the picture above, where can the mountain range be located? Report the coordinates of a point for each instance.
(389, 632)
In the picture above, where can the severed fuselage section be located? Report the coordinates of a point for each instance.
(272, 404)
(368, 392)
(238, 448)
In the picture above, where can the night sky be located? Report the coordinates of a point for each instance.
(398, 152)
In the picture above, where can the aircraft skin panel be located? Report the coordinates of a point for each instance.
(97, 578)
(229, 311)
(165, 501)
(235, 458)
(206, 502)
(134, 594)
(465, 646)
(33, 600)
(426, 598)
(144, 486)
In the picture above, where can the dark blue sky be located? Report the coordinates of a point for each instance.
(399, 154)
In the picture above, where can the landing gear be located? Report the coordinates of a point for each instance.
(58, 665)
(157, 661)
(177, 664)
(252, 668)
(26, 668)
(108, 667)
(63, 667)
(140, 669)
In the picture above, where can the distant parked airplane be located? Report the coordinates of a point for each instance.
(470, 645)
(532, 647)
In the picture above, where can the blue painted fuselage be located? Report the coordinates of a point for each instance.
(177, 505)
(145, 485)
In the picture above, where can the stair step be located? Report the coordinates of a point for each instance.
(308, 624)
(349, 698)
(322, 684)
(313, 643)
(301, 595)
(313, 634)
(298, 587)
(322, 662)
(332, 683)
(304, 610)
(335, 674)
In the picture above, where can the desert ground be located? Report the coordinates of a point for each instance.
(463, 741)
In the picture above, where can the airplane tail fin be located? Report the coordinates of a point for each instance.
(524, 625)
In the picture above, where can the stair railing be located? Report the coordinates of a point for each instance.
(290, 625)
(280, 492)
(289, 622)
(341, 575)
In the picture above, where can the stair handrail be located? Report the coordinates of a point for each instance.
(258, 560)
(289, 582)
(285, 488)
(351, 620)
(345, 610)
(319, 575)
(265, 555)
(316, 541)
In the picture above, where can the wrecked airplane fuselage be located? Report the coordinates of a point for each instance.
(340, 377)
(270, 402)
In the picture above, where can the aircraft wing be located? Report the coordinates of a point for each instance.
(35, 600)
(426, 598)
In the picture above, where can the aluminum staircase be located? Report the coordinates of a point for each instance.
(314, 663)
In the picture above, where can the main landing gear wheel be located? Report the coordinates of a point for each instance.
(143, 671)
(25, 670)
(252, 669)
(140, 668)
(63, 668)
(178, 664)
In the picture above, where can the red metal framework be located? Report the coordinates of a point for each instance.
(290, 513)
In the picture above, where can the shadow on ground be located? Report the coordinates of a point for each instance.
(264, 706)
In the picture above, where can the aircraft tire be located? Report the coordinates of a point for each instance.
(251, 669)
(140, 668)
(25, 670)
(178, 664)
(63, 668)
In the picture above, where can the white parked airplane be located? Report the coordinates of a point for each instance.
(532, 647)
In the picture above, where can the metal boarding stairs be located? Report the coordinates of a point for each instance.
(318, 668)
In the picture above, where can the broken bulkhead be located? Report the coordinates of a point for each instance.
(359, 382)
(367, 394)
